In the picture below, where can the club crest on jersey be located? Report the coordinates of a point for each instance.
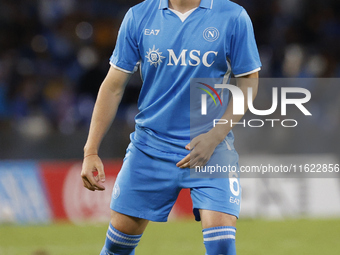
(154, 56)
(211, 34)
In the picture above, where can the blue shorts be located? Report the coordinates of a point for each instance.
(149, 182)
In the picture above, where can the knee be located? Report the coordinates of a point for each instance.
(128, 224)
(212, 219)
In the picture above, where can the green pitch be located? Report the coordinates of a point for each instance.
(254, 237)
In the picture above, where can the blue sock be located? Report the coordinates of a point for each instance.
(219, 240)
(118, 243)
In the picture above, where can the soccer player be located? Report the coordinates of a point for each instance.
(173, 41)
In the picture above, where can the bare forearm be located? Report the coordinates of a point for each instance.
(203, 146)
(103, 114)
(221, 131)
(108, 100)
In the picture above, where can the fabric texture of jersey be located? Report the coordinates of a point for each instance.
(216, 39)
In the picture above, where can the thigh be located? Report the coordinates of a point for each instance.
(127, 224)
(146, 186)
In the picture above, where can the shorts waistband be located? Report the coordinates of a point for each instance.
(141, 137)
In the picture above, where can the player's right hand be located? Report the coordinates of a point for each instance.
(92, 173)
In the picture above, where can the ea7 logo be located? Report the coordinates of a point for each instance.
(151, 31)
(239, 100)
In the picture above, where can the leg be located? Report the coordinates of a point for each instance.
(123, 235)
(144, 193)
(218, 232)
(216, 202)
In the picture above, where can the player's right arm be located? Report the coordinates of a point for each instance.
(105, 109)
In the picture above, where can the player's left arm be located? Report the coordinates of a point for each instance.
(203, 146)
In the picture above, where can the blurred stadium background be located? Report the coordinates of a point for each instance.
(54, 55)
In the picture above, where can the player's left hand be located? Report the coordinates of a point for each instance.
(201, 147)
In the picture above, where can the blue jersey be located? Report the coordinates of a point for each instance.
(212, 41)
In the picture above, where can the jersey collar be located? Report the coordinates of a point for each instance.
(206, 4)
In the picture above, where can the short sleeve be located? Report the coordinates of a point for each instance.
(126, 54)
(244, 55)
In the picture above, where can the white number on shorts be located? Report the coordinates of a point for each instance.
(233, 178)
